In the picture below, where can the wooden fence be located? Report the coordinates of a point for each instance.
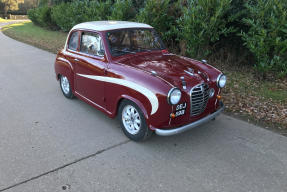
(15, 17)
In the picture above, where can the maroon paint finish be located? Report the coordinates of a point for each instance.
(137, 68)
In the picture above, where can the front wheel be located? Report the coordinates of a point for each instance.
(133, 121)
(66, 87)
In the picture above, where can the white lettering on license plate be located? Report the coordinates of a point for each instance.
(180, 106)
(179, 113)
(180, 109)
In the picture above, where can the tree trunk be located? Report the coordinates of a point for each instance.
(5, 10)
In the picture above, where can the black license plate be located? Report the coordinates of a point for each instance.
(180, 109)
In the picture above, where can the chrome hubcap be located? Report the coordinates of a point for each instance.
(131, 119)
(65, 84)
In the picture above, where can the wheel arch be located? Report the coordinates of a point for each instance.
(65, 68)
(134, 100)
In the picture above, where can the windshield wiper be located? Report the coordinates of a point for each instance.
(143, 49)
(124, 51)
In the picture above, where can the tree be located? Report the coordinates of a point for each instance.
(9, 5)
(26, 5)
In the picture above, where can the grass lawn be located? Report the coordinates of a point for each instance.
(29, 33)
(4, 20)
(261, 102)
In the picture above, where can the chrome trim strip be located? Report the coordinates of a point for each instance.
(204, 61)
(66, 61)
(184, 128)
(191, 74)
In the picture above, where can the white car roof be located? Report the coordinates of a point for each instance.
(109, 25)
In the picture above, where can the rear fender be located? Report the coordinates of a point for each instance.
(65, 68)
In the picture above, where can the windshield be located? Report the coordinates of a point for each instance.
(126, 41)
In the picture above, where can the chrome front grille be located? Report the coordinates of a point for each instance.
(198, 99)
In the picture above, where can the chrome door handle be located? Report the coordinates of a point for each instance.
(76, 60)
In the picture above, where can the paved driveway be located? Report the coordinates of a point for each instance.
(11, 22)
(49, 143)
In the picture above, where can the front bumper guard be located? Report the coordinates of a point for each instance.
(168, 132)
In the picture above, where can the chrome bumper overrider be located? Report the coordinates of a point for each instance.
(168, 132)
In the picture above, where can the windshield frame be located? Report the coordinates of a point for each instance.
(163, 47)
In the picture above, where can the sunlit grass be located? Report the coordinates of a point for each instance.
(5, 20)
(2, 20)
(29, 33)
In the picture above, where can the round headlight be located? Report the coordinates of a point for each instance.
(221, 81)
(174, 96)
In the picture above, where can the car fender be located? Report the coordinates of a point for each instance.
(64, 67)
(137, 102)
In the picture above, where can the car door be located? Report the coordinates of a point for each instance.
(89, 63)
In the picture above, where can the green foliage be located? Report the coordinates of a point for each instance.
(198, 28)
(43, 3)
(123, 10)
(157, 13)
(32, 16)
(267, 34)
(66, 15)
(203, 23)
(99, 10)
(138, 4)
(57, 2)
(41, 16)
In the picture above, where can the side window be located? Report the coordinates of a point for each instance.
(91, 43)
(73, 42)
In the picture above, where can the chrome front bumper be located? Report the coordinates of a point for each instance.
(168, 132)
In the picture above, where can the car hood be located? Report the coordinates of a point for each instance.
(172, 68)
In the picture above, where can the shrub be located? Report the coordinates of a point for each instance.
(159, 14)
(66, 15)
(203, 23)
(32, 15)
(138, 4)
(41, 16)
(267, 34)
(123, 10)
(44, 17)
(99, 10)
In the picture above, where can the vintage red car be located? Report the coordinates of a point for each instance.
(124, 70)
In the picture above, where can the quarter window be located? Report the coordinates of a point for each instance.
(73, 42)
(91, 43)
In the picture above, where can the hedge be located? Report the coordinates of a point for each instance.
(202, 24)
(42, 17)
(267, 34)
(193, 27)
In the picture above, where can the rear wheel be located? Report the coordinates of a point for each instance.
(66, 87)
(133, 121)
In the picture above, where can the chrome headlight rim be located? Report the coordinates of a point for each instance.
(169, 95)
(218, 80)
